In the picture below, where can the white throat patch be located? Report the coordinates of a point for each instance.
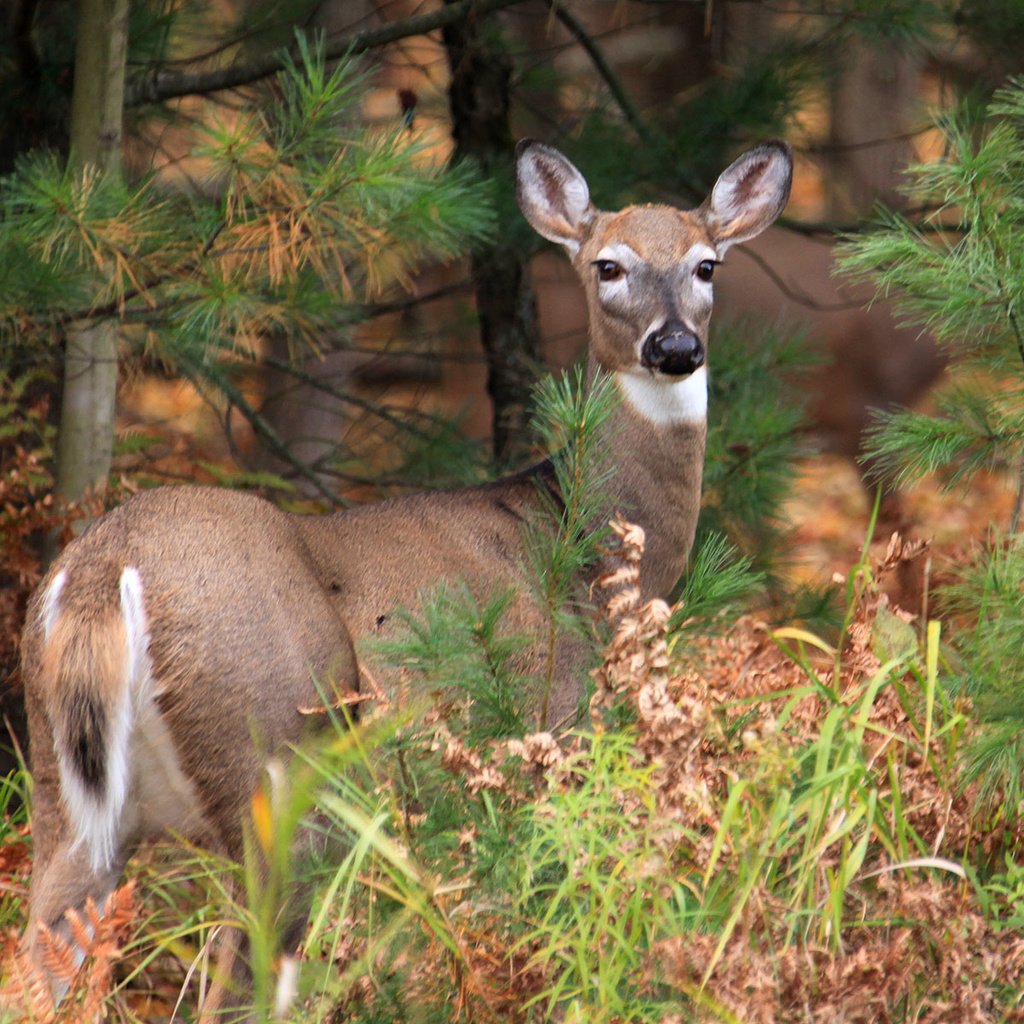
(667, 402)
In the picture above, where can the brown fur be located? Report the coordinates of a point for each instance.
(252, 612)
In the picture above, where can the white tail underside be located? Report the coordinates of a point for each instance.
(96, 821)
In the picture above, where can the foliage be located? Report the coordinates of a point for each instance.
(964, 280)
(718, 578)
(587, 889)
(905, 23)
(757, 824)
(28, 509)
(97, 935)
(755, 435)
(998, 25)
(718, 843)
(757, 101)
(455, 641)
(689, 141)
(309, 212)
(795, 838)
(984, 597)
(569, 417)
(962, 277)
(757, 432)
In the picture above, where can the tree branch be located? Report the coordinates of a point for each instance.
(604, 69)
(318, 384)
(264, 431)
(799, 297)
(165, 85)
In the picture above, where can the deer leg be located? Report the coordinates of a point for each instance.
(231, 984)
(63, 878)
(65, 882)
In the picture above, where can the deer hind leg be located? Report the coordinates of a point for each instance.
(230, 995)
(66, 884)
(63, 875)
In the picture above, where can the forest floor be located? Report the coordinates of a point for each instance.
(830, 510)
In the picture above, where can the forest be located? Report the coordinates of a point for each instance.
(573, 757)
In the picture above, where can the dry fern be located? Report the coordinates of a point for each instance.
(83, 963)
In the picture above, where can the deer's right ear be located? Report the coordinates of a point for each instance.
(552, 194)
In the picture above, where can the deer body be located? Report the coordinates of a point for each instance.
(171, 647)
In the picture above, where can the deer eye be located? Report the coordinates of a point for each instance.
(706, 269)
(608, 270)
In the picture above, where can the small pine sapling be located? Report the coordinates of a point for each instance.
(960, 273)
(569, 417)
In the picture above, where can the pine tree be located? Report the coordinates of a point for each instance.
(314, 214)
(960, 273)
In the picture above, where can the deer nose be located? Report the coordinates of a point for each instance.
(673, 349)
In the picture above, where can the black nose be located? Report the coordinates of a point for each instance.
(673, 350)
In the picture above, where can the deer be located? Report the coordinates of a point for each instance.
(169, 650)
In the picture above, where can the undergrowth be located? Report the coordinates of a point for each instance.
(751, 824)
(771, 826)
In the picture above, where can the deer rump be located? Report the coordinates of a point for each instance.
(238, 617)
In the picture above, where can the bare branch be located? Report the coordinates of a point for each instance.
(604, 69)
(796, 295)
(318, 384)
(266, 433)
(160, 85)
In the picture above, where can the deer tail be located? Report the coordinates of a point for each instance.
(95, 660)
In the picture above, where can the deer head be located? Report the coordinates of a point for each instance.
(647, 270)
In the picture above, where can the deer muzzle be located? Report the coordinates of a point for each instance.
(673, 350)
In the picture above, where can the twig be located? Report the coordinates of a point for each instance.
(799, 297)
(832, 228)
(318, 384)
(269, 436)
(604, 69)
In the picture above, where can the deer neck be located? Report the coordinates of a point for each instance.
(653, 446)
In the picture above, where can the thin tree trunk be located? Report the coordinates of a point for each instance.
(479, 102)
(85, 441)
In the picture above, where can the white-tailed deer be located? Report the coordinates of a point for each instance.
(169, 650)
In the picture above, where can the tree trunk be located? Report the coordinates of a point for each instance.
(873, 101)
(479, 102)
(85, 442)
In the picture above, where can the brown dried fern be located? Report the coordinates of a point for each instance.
(672, 711)
(82, 963)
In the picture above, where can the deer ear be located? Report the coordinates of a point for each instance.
(552, 194)
(750, 194)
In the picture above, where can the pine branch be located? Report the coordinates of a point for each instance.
(356, 313)
(158, 86)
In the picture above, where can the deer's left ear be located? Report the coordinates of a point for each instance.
(750, 194)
